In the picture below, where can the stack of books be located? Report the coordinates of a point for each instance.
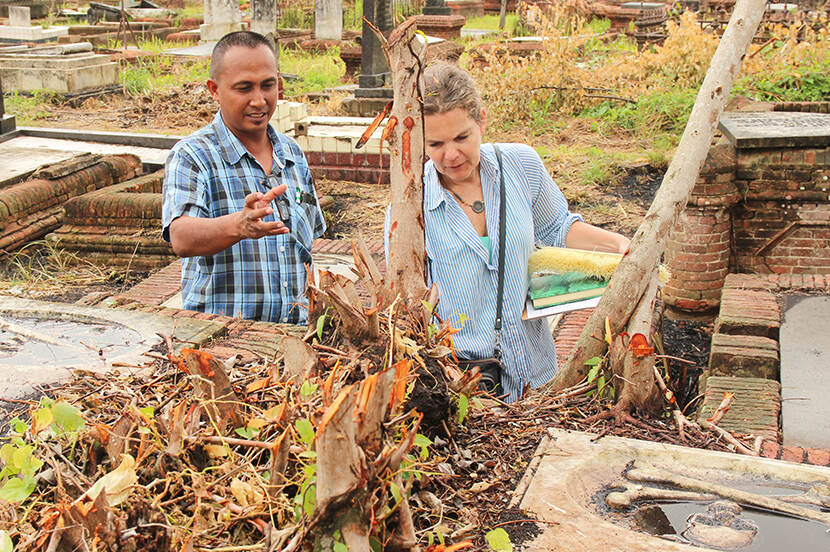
(559, 289)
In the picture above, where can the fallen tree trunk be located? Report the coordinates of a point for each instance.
(629, 282)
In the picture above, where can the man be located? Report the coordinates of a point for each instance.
(245, 242)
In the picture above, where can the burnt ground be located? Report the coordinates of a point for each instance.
(690, 341)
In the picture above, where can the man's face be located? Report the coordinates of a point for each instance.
(246, 89)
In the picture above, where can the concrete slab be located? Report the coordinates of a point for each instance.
(23, 154)
(17, 380)
(569, 469)
(776, 129)
(200, 50)
(805, 371)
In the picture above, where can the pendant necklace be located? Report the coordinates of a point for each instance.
(477, 206)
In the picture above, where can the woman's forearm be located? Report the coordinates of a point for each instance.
(592, 238)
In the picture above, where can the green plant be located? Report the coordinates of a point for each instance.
(51, 420)
(491, 23)
(499, 540)
(317, 70)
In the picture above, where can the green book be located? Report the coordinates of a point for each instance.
(557, 289)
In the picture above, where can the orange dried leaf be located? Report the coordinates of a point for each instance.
(608, 338)
(329, 383)
(402, 370)
(275, 414)
(639, 346)
(258, 384)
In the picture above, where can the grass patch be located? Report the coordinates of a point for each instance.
(316, 71)
(491, 22)
(30, 108)
(161, 73)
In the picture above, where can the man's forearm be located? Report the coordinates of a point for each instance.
(195, 236)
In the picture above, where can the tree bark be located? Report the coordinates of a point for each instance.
(629, 282)
(406, 257)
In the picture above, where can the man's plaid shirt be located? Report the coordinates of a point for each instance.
(208, 175)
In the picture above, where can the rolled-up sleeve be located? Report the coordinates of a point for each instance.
(184, 190)
(551, 218)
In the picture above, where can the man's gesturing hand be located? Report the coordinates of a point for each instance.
(258, 206)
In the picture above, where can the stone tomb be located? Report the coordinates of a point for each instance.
(65, 74)
(117, 225)
(20, 28)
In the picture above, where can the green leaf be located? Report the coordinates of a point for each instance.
(307, 389)
(423, 442)
(306, 430)
(340, 547)
(396, 492)
(6, 544)
(499, 540)
(321, 322)
(67, 417)
(244, 432)
(593, 373)
(16, 489)
(593, 361)
(463, 406)
(601, 382)
(148, 411)
(309, 500)
(18, 426)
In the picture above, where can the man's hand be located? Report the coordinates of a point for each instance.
(257, 207)
(195, 236)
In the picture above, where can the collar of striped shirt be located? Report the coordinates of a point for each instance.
(435, 193)
(232, 150)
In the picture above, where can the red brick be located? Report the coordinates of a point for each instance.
(818, 457)
(792, 454)
(770, 449)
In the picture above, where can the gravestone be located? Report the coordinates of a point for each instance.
(435, 7)
(776, 129)
(20, 16)
(374, 70)
(6, 121)
(328, 19)
(264, 21)
(221, 17)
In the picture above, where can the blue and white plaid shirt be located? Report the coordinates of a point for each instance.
(466, 273)
(207, 175)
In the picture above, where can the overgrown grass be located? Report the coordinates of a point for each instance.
(162, 72)
(29, 108)
(491, 22)
(316, 70)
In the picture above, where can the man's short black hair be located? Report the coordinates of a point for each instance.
(248, 39)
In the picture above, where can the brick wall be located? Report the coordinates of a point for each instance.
(355, 167)
(782, 223)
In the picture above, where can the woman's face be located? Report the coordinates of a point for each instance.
(453, 141)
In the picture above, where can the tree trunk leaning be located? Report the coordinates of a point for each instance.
(630, 279)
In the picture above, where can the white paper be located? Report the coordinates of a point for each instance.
(531, 313)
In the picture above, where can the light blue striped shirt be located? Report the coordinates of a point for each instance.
(466, 273)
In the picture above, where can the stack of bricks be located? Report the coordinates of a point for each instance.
(30, 210)
(744, 358)
(118, 225)
(783, 223)
(447, 27)
(699, 246)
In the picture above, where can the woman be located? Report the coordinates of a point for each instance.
(461, 212)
